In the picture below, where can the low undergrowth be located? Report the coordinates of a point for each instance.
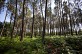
(53, 45)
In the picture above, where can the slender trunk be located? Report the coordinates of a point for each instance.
(11, 22)
(53, 28)
(70, 22)
(11, 18)
(22, 32)
(14, 21)
(60, 14)
(33, 23)
(39, 32)
(66, 25)
(3, 24)
(71, 26)
(44, 23)
(41, 14)
(50, 17)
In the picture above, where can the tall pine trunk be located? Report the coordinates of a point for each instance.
(44, 23)
(23, 14)
(33, 23)
(71, 32)
(41, 13)
(50, 17)
(14, 21)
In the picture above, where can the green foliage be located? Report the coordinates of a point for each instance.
(75, 44)
(31, 46)
(54, 44)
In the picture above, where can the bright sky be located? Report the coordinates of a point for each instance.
(52, 4)
(2, 15)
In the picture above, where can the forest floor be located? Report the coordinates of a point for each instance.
(53, 45)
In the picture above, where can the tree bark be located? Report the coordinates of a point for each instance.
(14, 21)
(22, 32)
(44, 23)
(50, 18)
(33, 22)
